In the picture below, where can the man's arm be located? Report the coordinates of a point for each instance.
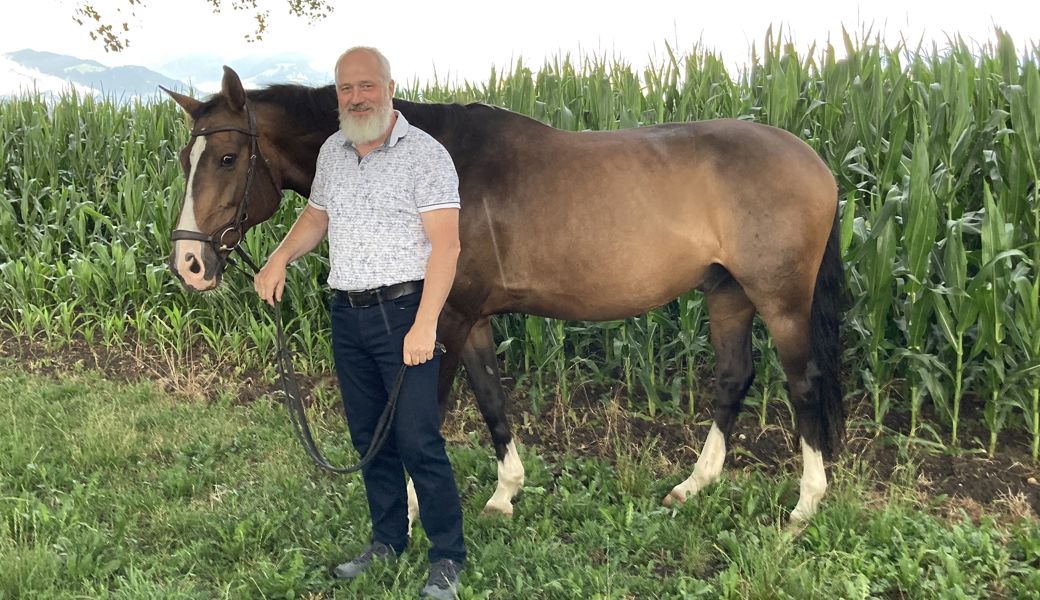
(442, 229)
(306, 233)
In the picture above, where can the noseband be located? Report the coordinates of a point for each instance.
(229, 236)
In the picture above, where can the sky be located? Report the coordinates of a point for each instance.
(462, 40)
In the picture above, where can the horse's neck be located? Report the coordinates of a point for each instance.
(428, 117)
(298, 137)
(447, 123)
(467, 131)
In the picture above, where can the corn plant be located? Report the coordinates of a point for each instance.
(935, 151)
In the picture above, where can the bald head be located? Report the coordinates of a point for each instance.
(364, 92)
(365, 58)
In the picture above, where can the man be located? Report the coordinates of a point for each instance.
(387, 195)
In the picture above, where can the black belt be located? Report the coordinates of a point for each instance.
(377, 295)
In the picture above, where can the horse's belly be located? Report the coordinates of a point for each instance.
(607, 284)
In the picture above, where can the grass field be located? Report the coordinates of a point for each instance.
(120, 490)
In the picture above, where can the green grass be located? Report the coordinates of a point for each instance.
(114, 490)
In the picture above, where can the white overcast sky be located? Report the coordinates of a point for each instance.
(462, 40)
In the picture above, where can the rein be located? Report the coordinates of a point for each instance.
(294, 402)
(286, 372)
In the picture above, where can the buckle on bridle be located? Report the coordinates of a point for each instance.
(223, 244)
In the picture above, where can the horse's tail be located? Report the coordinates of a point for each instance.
(825, 321)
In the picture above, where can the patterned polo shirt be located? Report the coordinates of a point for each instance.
(376, 236)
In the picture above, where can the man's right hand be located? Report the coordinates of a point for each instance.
(270, 281)
(306, 233)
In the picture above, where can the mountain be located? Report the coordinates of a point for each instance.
(119, 82)
(17, 79)
(204, 71)
(50, 73)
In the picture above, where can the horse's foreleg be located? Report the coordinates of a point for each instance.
(452, 330)
(478, 355)
(730, 318)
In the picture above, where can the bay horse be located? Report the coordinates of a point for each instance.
(580, 226)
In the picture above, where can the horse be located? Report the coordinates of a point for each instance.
(573, 225)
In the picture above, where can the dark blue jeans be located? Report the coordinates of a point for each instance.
(367, 344)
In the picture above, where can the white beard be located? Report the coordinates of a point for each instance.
(365, 128)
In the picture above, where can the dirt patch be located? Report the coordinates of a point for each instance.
(596, 422)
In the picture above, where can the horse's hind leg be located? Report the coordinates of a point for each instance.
(478, 355)
(789, 327)
(730, 316)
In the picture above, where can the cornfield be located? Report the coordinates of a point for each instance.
(936, 152)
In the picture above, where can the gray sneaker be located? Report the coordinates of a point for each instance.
(375, 551)
(443, 581)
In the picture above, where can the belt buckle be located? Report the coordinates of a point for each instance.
(357, 299)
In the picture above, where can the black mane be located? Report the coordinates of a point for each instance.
(314, 107)
(464, 130)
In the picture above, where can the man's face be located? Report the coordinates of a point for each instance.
(365, 97)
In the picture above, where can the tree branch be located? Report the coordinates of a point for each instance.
(100, 27)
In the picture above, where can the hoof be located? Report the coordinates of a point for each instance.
(799, 517)
(505, 510)
(674, 498)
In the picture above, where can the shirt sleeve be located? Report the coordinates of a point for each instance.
(319, 197)
(436, 182)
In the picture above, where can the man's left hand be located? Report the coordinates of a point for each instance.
(419, 344)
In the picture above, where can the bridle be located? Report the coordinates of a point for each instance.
(220, 241)
(286, 372)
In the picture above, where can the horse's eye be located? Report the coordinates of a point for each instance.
(228, 160)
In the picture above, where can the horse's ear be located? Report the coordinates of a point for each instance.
(189, 104)
(231, 88)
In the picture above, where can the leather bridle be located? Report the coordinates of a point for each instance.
(228, 237)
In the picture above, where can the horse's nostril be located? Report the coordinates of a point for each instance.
(193, 264)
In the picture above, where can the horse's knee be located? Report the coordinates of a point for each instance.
(733, 384)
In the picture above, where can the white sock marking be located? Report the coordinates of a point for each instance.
(813, 485)
(413, 506)
(510, 478)
(707, 469)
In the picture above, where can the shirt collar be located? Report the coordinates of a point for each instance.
(399, 131)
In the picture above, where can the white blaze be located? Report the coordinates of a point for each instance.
(182, 248)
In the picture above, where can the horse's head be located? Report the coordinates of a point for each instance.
(230, 187)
